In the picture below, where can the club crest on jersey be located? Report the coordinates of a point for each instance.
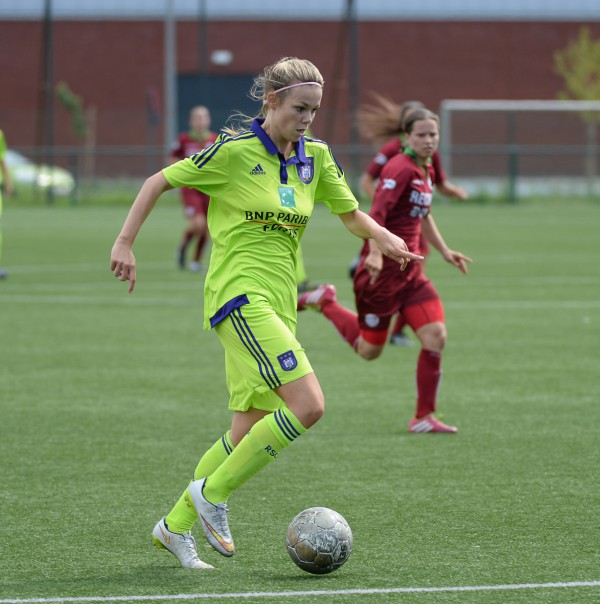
(286, 196)
(306, 171)
(288, 361)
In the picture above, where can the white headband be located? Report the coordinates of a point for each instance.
(298, 84)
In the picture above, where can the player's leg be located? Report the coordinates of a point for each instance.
(427, 320)
(202, 233)
(191, 208)
(304, 406)
(198, 228)
(323, 299)
(266, 368)
(173, 532)
(364, 331)
(371, 343)
(183, 515)
(399, 337)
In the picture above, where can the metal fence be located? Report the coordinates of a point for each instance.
(506, 171)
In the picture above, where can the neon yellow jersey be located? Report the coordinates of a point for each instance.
(260, 205)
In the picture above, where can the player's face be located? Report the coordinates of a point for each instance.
(200, 120)
(295, 112)
(424, 138)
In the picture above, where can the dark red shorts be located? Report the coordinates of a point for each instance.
(416, 298)
(194, 202)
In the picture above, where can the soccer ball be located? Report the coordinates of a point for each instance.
(319, 540)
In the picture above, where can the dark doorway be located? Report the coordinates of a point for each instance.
(222, 94)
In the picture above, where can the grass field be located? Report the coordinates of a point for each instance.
(108, 400)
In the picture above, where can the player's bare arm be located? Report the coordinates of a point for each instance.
(367, 184)
(433, 235)
(363, 226)
(449, 189)
(122, 260)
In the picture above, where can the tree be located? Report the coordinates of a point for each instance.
(579, 66)
(74, 107)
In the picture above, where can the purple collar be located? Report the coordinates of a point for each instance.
(271, 147)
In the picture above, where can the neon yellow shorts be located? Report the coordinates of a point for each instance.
(261, 354)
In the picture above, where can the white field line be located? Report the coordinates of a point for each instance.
(124, 300)
(299, 594)
(80, 267)
(590, 279)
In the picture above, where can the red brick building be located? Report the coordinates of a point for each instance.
(116, 66)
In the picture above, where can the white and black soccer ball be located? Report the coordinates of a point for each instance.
(319, 540)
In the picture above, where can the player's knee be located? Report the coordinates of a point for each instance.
(314, 411)
(434, 337)
(370, 354)
(368, 351)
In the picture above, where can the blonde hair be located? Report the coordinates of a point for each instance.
(384, 119)
(283, 73)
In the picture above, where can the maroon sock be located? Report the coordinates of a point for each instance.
(399, 326)
(344, 320)
(187, 237)
(199, 247)
(429, 374)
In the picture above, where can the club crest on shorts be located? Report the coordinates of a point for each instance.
(372, 320)
(286, 197)
(306, 171)
(288, 360)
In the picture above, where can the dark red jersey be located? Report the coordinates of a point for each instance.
(188, 144)
(402, 200)
(394, 147)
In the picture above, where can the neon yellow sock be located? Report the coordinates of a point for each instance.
(257, 449)
(214, 457)
(183, 515)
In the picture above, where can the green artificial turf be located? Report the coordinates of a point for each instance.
(107, 401)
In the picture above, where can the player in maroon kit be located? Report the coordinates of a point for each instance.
(385, 122)
(402, 204)
(195, 203)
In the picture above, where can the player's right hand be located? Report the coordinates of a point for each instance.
(395, 248)
(122, 264)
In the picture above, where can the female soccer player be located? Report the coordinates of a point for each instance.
(263, 183)
(195, 203)
(402, 204)
(384, 122)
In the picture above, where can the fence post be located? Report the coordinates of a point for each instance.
(513, 159)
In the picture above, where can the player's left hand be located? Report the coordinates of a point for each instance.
(458, 260)
(395, 248)
(461, 194)
(373, 265)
